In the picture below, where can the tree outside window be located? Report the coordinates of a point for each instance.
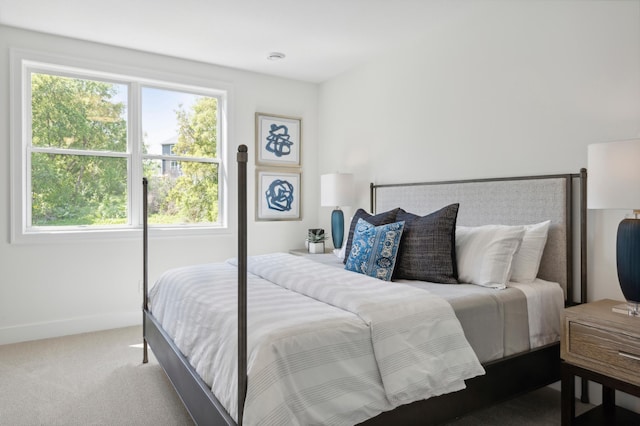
(82, 152)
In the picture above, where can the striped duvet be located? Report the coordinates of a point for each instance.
(325, 345)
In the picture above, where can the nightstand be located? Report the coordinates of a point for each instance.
(604, 347)
(305, 252)
(328, 258)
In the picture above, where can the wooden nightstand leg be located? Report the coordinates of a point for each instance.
(584, 393)
(608, 399)
(568, 396)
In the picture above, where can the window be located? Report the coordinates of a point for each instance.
(86, 135)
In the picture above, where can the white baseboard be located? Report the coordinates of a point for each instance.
(57, 328)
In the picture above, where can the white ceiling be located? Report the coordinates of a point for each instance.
(321, 38)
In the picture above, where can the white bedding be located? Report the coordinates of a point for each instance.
(326, 346)
(545, 302)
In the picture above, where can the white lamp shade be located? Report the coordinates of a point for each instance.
(336, 189)
(614, 175)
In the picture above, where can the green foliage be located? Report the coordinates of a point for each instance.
(84, 189)
(70, 189)
(316, 235)
(197, 134)
(77, 114)
(194, 194)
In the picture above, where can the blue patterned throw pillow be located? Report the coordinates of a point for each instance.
(374, 249)
(376, 220)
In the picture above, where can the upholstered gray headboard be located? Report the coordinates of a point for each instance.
(506, 201)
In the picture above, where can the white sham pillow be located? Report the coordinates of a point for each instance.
(341, 252)
(526, 261)
(485, 253)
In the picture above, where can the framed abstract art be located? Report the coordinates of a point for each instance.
(278, 140)
(278, 195)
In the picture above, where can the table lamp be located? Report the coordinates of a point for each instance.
(614, 183)
(336, 189)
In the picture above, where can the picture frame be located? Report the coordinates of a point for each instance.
(278, 140)
(278, 195)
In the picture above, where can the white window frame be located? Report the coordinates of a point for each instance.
(22, 64)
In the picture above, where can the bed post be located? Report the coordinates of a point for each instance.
(583, 235)
(569, 239)
(145, 358)
(372, 201)
(584, 383)
(242, 279)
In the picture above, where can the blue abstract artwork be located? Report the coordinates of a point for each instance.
(279, 195)
(278, 140)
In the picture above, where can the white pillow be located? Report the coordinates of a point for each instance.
(485, 253)
(341, 252)
(526, 261)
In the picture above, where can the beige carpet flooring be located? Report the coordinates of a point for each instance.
(99, 379)
(86, 379)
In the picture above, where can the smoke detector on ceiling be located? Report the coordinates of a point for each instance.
(275, 56)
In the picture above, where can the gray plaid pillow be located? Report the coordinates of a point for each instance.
(428, 247)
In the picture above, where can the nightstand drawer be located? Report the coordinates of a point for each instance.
(606, 351)
(602, 346)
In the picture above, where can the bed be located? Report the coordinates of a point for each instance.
(511, 364)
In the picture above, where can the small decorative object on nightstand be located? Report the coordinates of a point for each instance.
(315, 240)
(602, 346)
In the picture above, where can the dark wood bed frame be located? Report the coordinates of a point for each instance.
(504, 379)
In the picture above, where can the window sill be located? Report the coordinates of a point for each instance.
(105, 235)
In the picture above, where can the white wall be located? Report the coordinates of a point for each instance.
(50, 290)
(498, 89)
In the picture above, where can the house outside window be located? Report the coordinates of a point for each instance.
(171, 167)
(86, 136)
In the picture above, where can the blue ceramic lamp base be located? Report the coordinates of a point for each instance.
(337, 228)
(628, 262)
